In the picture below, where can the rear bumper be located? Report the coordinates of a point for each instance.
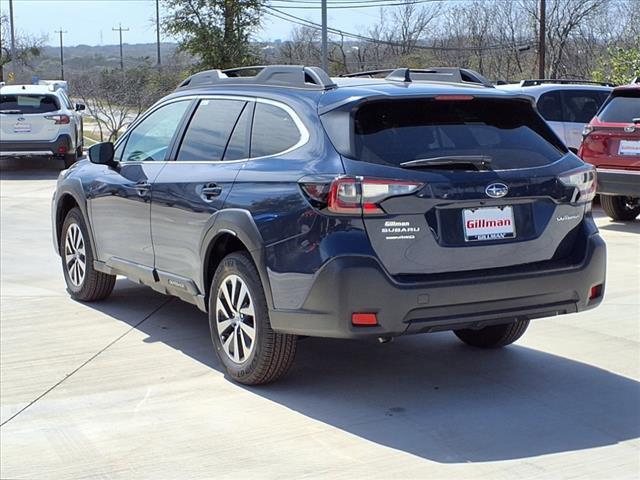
(29, 149)
(619, 182)
(347, 285)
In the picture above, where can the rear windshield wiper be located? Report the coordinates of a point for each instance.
(11, 111)
(481, 162)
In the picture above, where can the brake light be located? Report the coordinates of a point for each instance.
(454, 97)
(584, 180)
(59, 119)
(357, 195)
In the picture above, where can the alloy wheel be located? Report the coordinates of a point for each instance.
(235, 319)
(75, 255)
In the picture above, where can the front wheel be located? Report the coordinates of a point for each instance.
(494, 336)
(84, 282)
(619, 207)
(251, 352)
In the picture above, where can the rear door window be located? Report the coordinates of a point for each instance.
(209, 130)
(621, 109)
(274, 131)
(391, 132)
(580, 106)
(550, 106)
(29, 103)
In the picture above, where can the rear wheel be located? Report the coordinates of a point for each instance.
(251, 352)
(619, 207)
(83, 281)
(494, 336)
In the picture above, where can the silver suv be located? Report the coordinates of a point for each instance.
(566, 105)
(40, 120)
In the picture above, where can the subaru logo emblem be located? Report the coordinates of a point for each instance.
(21, 119)
(630, 129)
(496, 190)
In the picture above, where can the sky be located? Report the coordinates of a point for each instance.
(90, 22)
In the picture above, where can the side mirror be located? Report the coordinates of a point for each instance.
(80, 107)
(102, 154)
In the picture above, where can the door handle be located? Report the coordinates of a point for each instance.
(210, 191)
(142, 188)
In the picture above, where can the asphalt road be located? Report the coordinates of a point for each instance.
(130, 387)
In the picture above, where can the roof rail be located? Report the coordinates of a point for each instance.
(367, 73)
(430, 74)
(564, 81)
(438, 74)
(294, 76)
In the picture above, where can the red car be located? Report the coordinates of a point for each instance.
(611, 142)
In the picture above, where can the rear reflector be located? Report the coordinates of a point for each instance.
(364, 319)
(62, 149)
(595, 292)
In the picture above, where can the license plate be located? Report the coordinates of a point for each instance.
(22, 128)
(490, 223)
(629, 147)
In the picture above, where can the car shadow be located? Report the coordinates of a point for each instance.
(30, 168)
(631, 226)
(427, 395)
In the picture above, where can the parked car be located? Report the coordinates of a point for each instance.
(40, 121)
(290, 204)
(566, 105)
(612, 143)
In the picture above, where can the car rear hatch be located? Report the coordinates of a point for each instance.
(456, 183)
(612, 140)
(29, 117)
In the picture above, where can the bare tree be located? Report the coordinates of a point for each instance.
(27, 46)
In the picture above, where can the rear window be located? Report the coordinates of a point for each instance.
(621, 109)
(391, 132)
(29, 103)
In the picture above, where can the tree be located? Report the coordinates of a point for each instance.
(26, 47)
(621, 66)
(215, 31)
(114, 98)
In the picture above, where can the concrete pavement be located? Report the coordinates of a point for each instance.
(130, 387)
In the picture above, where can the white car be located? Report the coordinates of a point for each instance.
(39, 120)
(566, 105)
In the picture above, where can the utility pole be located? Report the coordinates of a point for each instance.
(61, 32)
(158, 30)
(542, 38)
(325, 58)
(13, 41)
(120, 30)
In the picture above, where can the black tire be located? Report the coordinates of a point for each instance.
(70, 159)
(616, 206)
(270, 354)
(495, 336)
(94, 285)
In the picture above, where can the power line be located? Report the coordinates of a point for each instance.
(350, 6)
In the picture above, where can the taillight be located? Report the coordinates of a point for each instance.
(584, 181)
(59, 119)
(357, 196)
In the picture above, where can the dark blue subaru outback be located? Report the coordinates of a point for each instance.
(288, 203)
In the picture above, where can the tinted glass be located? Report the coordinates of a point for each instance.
(510, 132)
(621, 110)
(582, 105)
(238, 147)
(150, 139)
(29, 103)
(550, 106)
(209, 130)
(274, 131)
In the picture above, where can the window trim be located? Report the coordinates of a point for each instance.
(194, 99)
